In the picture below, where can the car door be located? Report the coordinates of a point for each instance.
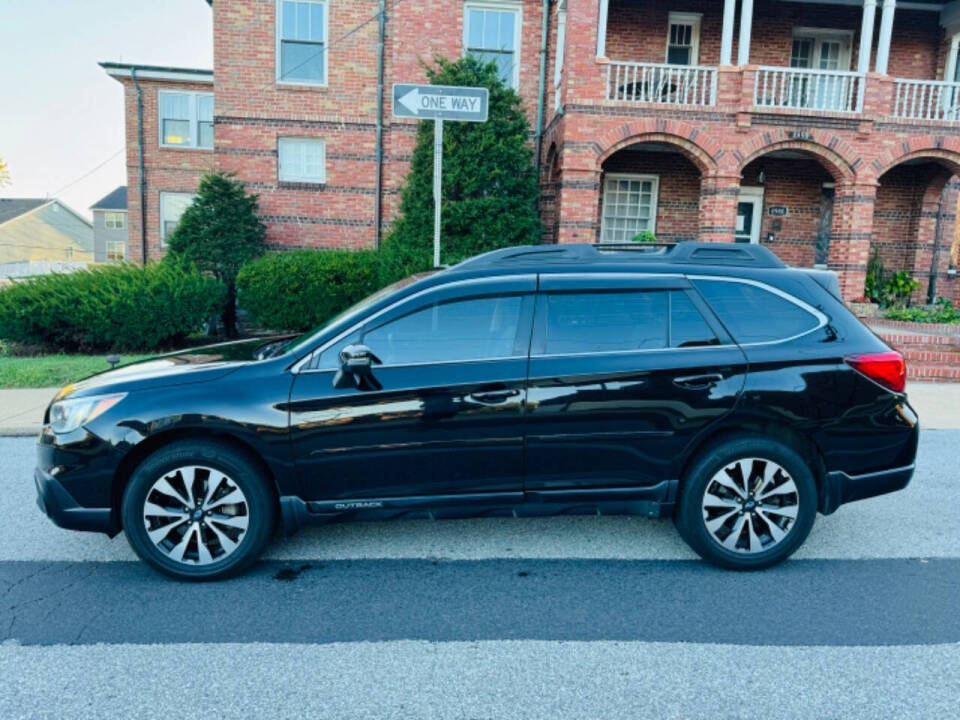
(625, 370)
(447, 417)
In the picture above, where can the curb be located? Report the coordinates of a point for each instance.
(24, 431)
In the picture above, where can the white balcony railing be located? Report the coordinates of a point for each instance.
(662, 84)
(926, 100)
(801, 89)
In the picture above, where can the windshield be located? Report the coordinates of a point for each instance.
(305, 340)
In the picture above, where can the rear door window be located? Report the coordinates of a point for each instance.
(596, 322)
(687, 326)
(754, 314)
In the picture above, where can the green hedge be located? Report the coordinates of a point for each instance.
(113, 307)
(301, 289)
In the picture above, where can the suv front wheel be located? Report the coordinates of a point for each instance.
(198, 510)
(747, 503)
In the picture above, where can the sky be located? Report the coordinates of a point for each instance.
(61, 115)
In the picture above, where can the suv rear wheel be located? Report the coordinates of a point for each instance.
(198, 510)
(747, 503)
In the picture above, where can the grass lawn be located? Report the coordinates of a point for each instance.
(52, 370)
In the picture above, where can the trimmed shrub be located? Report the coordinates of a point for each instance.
(113, 307)
(301, 289)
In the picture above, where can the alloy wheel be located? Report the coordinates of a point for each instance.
(196, 515)
(750, 505)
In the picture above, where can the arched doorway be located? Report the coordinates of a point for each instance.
(914, 224)
(649, 189)
(786, 203)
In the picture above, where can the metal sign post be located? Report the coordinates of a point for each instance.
(439, 103)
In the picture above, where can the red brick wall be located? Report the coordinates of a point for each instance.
(167, 169)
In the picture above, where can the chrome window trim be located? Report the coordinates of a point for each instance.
(821, 318)
(298, 367)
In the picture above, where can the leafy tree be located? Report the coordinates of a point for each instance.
(4, 173)
(490, 189)
(219, 233)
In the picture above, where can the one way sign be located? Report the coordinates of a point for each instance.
(440, 102)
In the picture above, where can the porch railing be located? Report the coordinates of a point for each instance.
(662, 84)
(926, 99)
(802, 89)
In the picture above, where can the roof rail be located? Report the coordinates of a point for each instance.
(686, 253)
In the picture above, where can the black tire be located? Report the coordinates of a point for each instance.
(691, 523)
(240, 470)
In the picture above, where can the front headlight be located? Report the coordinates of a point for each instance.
(69, 414)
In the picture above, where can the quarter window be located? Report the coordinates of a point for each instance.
(172, 206)
(596, 322)
(753, 314)
(302, 41)
(186, 119)
(460, 330)
(629, 207)
(491, 32)
(114, 220)
(301, 160)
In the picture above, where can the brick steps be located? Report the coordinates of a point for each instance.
(932, 352)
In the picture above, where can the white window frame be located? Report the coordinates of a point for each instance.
(753, 195)
(278, 30)
(818, 35)
(500, 6)
(654, 199)
(194, 120)
(114, 216)
(122, 244)
(561, 46)
(298, 178)
(163, 195)
(684, 18)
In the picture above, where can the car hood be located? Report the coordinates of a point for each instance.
(200, 364)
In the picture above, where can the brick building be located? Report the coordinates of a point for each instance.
(765, 121)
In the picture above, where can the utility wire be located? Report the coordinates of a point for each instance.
(88, 173)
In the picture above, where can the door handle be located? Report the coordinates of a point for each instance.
(696, 382)
(493, 397)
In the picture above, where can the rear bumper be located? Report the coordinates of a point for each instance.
(60, 506)
(839, 487)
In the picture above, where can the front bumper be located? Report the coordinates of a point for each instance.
(60, 506)
(839, 487)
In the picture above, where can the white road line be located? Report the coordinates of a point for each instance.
(921, 521)
(491, 679)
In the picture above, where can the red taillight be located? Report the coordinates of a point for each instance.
(886, 368)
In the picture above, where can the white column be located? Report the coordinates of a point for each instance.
(602, 29)
(950, 71)
(726, 38)
(866, 36)
(746, 32)
(886, 34)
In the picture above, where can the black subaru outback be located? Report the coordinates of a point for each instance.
(707, 382)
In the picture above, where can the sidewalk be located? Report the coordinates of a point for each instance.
(21, 411)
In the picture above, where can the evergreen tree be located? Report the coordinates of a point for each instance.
(490, 186)
(219, 233)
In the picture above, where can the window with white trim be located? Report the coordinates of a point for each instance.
(629, 206)
(114, 220)
(116, 250)
(302, 42)
(301, 160)
(491, 32)
(186, 119)
(683, 38)
(172, 206)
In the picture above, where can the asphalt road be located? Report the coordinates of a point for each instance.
(547, 618)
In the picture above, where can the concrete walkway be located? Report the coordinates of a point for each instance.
(21, 411)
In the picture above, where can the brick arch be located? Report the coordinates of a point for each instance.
(697, 146)
(836, 156)
(944, 149)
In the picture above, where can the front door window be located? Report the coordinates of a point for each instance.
(749, 208)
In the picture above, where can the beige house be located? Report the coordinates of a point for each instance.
(40, 235)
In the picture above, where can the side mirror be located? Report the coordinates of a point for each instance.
(356, 369)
